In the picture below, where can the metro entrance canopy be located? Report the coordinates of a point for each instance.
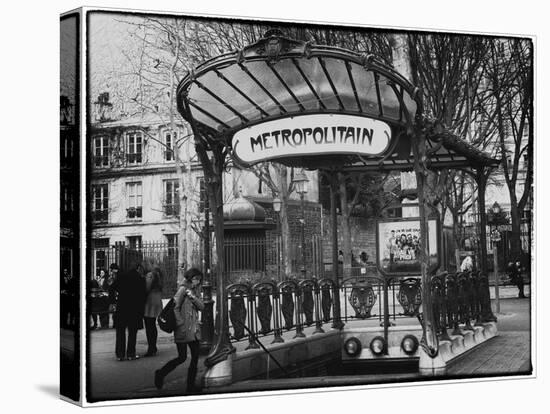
(316, 107)
(248, 99)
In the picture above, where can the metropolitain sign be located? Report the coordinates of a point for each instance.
(306, 135)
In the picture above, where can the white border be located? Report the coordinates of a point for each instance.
(30, 74)
(304, 391)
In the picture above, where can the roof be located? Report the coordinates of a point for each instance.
(142, 120)
(445, 150)
(281, 79)
(256, 85)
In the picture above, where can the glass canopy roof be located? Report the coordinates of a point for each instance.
(279, 78)
(239, 89)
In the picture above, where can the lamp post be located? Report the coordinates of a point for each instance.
(300, 183)
(495, 217)
(277, 209)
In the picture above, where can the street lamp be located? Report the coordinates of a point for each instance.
(277, 208)
(496, 217)
(300, 184)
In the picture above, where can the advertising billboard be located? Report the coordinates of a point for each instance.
(398, 246)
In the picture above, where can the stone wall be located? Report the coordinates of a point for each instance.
(363, 237)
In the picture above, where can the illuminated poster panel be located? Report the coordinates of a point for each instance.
(398, 246)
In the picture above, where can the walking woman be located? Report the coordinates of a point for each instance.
(153, 307)
(188, 303)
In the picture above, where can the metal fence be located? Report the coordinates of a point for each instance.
(255, 259)
(270, 308)
(150, 254)
(247, 259)
(504, 246)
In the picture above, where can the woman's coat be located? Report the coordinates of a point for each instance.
(186, 310)
(153, 303)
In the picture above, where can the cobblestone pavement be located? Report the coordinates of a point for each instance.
(509, 353)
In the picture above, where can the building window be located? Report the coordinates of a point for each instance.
(66, 155)
(171, 198)
(134, 242)
(66, 199)
(101, 255)
(170, 139)
(66, 204)
(101, 151)
(135, 199)
(172, 241)
(134, 148)
(100, 202)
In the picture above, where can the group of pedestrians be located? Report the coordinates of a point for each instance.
(138, 303)
(138, 295)
(102, 299)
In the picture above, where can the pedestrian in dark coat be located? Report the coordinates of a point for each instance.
(130, 289)
(514, 272)
(188, 303)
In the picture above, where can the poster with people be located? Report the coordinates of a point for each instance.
(399, 246)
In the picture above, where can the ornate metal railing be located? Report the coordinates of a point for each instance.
(460, 300)
(270, 308)
(373, 296)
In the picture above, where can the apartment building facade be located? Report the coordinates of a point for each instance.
(135, 185)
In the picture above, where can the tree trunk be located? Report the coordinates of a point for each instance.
(182, 239)
(515, 241)
(429, 341)
(188, 231)
(346, 233)
(285, 238)
(285, 228)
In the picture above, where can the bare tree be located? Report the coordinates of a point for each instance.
(451, 72)
(147, 83)
(511, 81)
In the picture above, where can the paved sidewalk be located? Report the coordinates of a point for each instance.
(506, 354)
(112, 379)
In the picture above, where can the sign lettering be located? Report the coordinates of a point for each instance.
(311, 135)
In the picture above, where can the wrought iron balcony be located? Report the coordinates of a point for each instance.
(171, 210)
(134, 213)
(101, 216)
(101, 160)
(134, 158)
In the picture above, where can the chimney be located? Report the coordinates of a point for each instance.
(103, 108)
